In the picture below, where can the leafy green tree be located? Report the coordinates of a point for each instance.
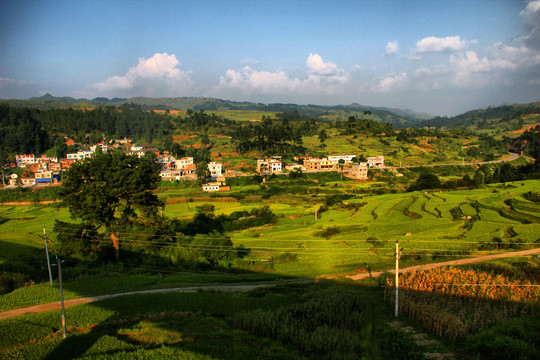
(205, 140)
(323, 137)
(113, 192)
(479, 179)
(296, 173)
(341, 163)
(426, 181)
(177, 150)
(202, 172)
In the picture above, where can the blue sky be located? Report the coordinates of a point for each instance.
(439, 56)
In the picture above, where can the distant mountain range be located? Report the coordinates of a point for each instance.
(492, 117)
(399, 118)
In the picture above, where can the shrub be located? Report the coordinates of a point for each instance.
(516, 339)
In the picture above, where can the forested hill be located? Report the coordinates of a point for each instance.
(506, 117)
(397, 117)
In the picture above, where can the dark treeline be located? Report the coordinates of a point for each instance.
(355, 125)
(29, 130)
(273, 136)
(201, 120)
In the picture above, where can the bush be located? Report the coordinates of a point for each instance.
(516, 339)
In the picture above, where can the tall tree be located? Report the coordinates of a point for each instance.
(113, 192)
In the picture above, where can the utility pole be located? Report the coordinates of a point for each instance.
(58, 262)
(47, 252)
(398, 255)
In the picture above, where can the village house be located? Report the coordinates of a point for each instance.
(183, 163)
(166, 162)
(138, 153)
(215, 186)
(25, 181)
(45, 159)
(359, 172)
(269, 166)
(54, 166)
(66, 163)
(104, 148)
(215, 168)
(170, 175)
(80, 155)
(293, 166)
(315, 164)
(23, 160)
(376, 161)
(45, 177)
(124, 141)
(302, 158)
(346, 158)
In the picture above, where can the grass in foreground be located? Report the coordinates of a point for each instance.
(323, 321)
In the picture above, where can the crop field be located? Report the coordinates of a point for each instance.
(454, 302)
(243, 115)
(438, 225)
(344, 238)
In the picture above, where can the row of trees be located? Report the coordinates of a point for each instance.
(30, 130)
(485, 174)
(270, 135)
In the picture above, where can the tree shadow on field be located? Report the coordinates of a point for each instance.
(192, 322)
(19, 264)
(320, 319)
(208, 324)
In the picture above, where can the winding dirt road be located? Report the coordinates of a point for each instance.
(245, 287)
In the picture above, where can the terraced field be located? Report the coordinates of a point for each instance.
(358, 234)
(428, 225)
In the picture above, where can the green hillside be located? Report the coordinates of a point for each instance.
(396, 117)
(500, 120)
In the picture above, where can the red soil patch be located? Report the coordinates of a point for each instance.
(181, 200)
(172, 112)
(526, 128)
(180, 137)
(422, 149)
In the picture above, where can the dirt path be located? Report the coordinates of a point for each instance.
(447, 263)
(245, 287)
(73, 302)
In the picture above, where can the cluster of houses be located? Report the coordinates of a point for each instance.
(331, 163)
(46, 170)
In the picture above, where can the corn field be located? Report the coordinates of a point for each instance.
(454, 303)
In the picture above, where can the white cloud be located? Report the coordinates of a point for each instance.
(531, 21)
(390, 82)
(435, 44)
(391, 48)
(250, 61)
(156, 76)
(322, 78)
(16, 89)
(4, 82)
(325, 72)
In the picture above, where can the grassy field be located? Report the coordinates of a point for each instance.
(284, 322)
(342, 240)
(345, 237)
